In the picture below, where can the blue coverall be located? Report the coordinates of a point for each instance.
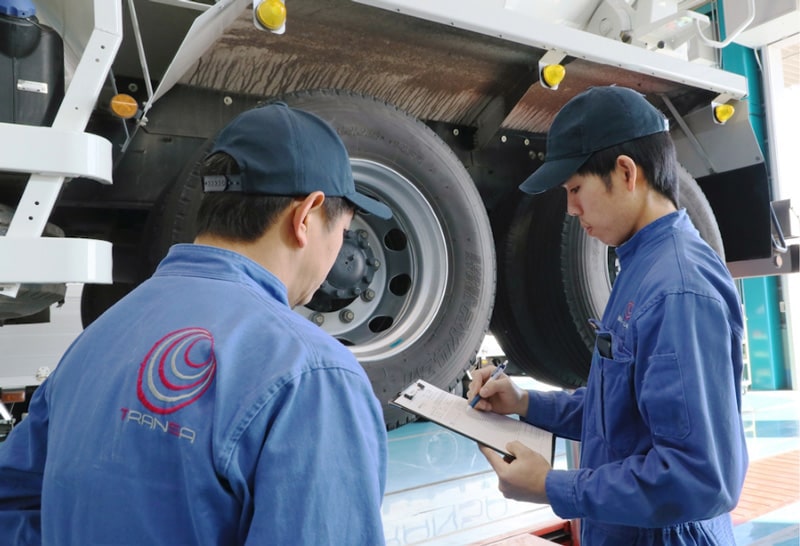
(199, 410)
(663, 454)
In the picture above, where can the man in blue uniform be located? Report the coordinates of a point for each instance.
(663, 454)
(201, 409)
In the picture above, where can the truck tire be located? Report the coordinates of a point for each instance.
(97, 298)
(552, 278)
(427, 308)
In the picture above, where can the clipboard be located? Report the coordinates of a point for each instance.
(487, 428)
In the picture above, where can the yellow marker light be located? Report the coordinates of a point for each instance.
(271, 14)
(124, 106)
(723, 112)
(552, 75)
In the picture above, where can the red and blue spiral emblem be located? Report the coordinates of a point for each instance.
(177, 370)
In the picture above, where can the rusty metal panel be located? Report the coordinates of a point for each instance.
(432, 71)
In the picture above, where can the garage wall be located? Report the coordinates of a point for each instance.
(24, 348)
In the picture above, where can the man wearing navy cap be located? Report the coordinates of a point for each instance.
(201, 409)
(663, 455)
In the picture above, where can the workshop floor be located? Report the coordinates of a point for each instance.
(441, 491)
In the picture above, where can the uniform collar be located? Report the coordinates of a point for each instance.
(218, 263)
(652, 232)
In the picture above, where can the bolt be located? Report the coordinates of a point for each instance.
(368, 295)
(527, 141)
(318, 319)
(456, 132)
(503, 138)
(362, 234)
(347, 315)
(227, 101)
(132, 87)
(374, 263)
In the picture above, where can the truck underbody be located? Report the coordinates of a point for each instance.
(443, 121)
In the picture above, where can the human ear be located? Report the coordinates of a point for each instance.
(302, 215)
(628, 170)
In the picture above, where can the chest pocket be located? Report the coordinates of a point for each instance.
(618, 417)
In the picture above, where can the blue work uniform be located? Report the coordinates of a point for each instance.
(663, 454)
(199, 410)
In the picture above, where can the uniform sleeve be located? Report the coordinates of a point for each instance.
(687, 380)
(557, 411)
(22, 458)
(320, 475)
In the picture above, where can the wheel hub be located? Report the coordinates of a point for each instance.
(350, 275)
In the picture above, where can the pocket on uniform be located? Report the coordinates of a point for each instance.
(618, 410)
(665, 397)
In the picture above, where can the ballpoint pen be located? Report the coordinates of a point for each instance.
(495, 374)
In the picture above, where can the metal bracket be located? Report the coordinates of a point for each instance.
(6, 422)
(54, 260)
(184, 4)
(690, 136)
(5, 415)
(787, 218)
(779, 264)
(54, 152)
(778, 240)
(671, 32)
(27, 257)
(205, 30)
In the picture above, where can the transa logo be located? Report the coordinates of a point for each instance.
(177, 371)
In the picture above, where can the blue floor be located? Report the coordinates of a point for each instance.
(441, 490)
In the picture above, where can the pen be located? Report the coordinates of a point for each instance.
(495, 374)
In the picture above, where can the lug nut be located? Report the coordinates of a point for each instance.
(368, 295)
(347, 315)
(318, 319)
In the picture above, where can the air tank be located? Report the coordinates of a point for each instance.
(31, 66)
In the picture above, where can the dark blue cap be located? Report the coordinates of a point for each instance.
(592, 121)
(290, 152)
(17, 8)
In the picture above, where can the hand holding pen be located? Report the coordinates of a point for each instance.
(501, 394)
(498, 371)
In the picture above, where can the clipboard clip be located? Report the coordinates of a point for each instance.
(411, 391)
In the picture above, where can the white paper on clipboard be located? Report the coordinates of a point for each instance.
(453, 412)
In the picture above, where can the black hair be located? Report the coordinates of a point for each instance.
(246, 217)
(655, 156)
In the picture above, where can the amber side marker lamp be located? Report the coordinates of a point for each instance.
(124, 106)
(552, 75)
(723, 112)
(271, 14)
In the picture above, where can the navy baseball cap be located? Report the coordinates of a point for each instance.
(596, 119)
(289, 152)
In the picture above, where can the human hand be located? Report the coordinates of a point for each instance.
(499, 395)
(522, 478)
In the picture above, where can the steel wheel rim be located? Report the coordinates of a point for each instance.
(412, 249)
